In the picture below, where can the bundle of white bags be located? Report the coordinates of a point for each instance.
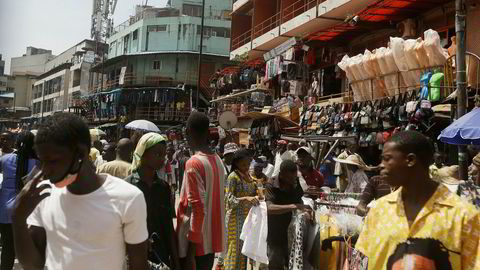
(404, 56)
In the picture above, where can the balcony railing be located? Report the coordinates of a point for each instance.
(242, 40)
(266, 25)
(299, 7)
(131, 80)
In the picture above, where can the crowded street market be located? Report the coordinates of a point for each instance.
(344, 148)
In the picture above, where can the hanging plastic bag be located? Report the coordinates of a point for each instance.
(425, 80)
(435, 83)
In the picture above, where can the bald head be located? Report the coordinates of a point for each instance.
(125, 149)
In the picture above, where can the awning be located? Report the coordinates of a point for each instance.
(375, 16)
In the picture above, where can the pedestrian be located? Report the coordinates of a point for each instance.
(201, 210)
(422, 225)
(82, 220)
(228, 152)
(239, 198)
(121, 166)
(282, 200)
(258, 174)
(357, 178)
(6, 143)
(312, 176)
(149, 157)
(108, 152)
(14, 167)
(376, 188)
(281, 155)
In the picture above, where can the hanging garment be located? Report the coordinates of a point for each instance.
(254, 234)
(298, 233)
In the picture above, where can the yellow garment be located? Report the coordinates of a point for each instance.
(94, 153)
(444, 218)
(328, 259)
(117, 168)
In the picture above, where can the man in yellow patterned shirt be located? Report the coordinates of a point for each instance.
(422, 225)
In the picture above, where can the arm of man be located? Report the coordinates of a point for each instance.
(137, 256)
(367, 196)
(135, 232)
(30, 244)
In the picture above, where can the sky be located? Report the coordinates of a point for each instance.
(51, 24)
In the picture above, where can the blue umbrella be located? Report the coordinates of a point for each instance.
(463, 131)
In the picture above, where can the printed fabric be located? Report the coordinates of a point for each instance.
(444, 235)
(299, 243)
(237, 212)
(470, 192)
(254, 234)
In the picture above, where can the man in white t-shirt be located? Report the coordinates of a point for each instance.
(77, 219)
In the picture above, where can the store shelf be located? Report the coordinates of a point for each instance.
(240, 94)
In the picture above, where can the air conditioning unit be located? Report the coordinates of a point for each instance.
(407, 28)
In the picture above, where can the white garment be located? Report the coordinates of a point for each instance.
(90, 231)
(254, 234)
(279, 158)
(268, 171)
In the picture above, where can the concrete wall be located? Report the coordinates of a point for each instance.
(23, 90)
(30, 64)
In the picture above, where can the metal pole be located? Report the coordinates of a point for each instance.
(200, 53)
(461, 81)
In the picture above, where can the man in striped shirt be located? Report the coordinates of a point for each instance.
(201, 212)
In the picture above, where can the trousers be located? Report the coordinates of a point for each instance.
(8, 249)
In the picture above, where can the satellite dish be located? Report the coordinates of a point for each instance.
(227, 120)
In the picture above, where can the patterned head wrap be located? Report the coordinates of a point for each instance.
(146, 141)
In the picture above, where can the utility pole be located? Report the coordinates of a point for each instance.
(461, 81)
(200, 53)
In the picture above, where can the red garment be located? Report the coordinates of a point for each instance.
(168, 167)
(201, 211)
(313, 178)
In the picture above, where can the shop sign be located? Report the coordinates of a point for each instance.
(280, 49)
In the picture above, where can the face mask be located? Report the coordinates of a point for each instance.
(69, 177)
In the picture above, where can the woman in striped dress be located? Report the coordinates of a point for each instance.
(240, 196)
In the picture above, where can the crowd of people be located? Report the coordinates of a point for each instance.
(70, 200)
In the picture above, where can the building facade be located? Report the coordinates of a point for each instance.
(2, 66)
(65, 80)
(158, 48)
(33, 62)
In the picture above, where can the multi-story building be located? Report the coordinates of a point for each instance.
(333, 28)
(2, 66)
(32, 62)
(65, 79)
(158, 48)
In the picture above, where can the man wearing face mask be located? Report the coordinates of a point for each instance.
(84, 220)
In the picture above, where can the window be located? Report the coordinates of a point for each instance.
(135, 35)
(157, 64)
(210, 31)
(157, 28)
(192, 10)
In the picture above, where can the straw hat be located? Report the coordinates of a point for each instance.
(355, 160)
(476, 160)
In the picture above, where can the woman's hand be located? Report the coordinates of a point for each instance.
(253, 200)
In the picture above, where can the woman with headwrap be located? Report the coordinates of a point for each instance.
(239, 197)
(150, 156)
